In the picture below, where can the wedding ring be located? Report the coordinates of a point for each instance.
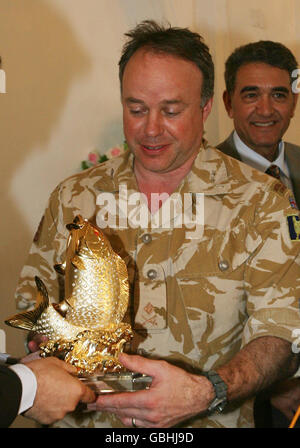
(133, 423)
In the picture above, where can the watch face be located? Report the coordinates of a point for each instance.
(217, 405)
(220, 407)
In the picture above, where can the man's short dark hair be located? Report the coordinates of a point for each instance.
(265, 51)
(180, 42)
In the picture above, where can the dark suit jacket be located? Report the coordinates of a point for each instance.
(292, 157)
(10, 395)
(262, 408)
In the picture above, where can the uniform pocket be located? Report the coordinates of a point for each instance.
(151, 299)
(212, 291)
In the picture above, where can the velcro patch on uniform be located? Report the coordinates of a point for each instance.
(293, 202)
(294, 227)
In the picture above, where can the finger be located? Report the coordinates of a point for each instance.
(67, 366)
(32, 346)
(34, 343)
(133, 422)
(146, 416)
(119, 412)
(88, 395)
(122, 400)
(126, 416)
(60, 363)
(31, 357)
(137, 363)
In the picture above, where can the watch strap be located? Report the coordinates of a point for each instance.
(220, 388)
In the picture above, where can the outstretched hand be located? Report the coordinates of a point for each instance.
(58, 390)
(175, 395)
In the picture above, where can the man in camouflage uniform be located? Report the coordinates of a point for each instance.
(222, 296)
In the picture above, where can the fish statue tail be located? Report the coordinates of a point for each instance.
(27, 320)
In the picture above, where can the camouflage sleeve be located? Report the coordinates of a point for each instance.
(272, 278)
(47, 248)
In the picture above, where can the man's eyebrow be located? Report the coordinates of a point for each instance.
(280, 89)
(173, 101)
(132, 100)
(249, 89)
(256, 88)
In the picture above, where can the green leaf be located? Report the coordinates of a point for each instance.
(103, 158)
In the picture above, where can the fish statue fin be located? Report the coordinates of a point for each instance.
(27, 320)
(60, 268)
(78, 263)
(124, 286)
(78, 223)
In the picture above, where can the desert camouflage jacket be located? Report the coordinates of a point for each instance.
(198, 294)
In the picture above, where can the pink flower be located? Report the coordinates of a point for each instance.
(93, 157)
(115, 152)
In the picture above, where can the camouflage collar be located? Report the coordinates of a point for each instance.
(208, 175)
(118, 171)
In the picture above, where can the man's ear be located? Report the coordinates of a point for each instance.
(207, 109)
(227, 103)
(295, 95)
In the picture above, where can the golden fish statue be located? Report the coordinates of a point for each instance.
(86, 328)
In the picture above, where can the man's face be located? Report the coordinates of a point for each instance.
(162, 114)
(261, 106)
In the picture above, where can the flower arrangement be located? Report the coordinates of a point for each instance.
(94, 157)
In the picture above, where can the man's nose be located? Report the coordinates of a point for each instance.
(153, 126)
(264, 106)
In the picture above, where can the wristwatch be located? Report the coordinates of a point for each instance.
(219, 402)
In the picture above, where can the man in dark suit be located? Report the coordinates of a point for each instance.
(10, 395)
(260, 97)
(44, 389)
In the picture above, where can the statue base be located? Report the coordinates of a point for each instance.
(117, 382)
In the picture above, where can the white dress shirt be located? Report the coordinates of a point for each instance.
(252, 158)
(29, 386)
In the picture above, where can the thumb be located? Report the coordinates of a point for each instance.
(88, 396)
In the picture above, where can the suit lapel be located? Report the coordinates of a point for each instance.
(228, 147)
(292, 155)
